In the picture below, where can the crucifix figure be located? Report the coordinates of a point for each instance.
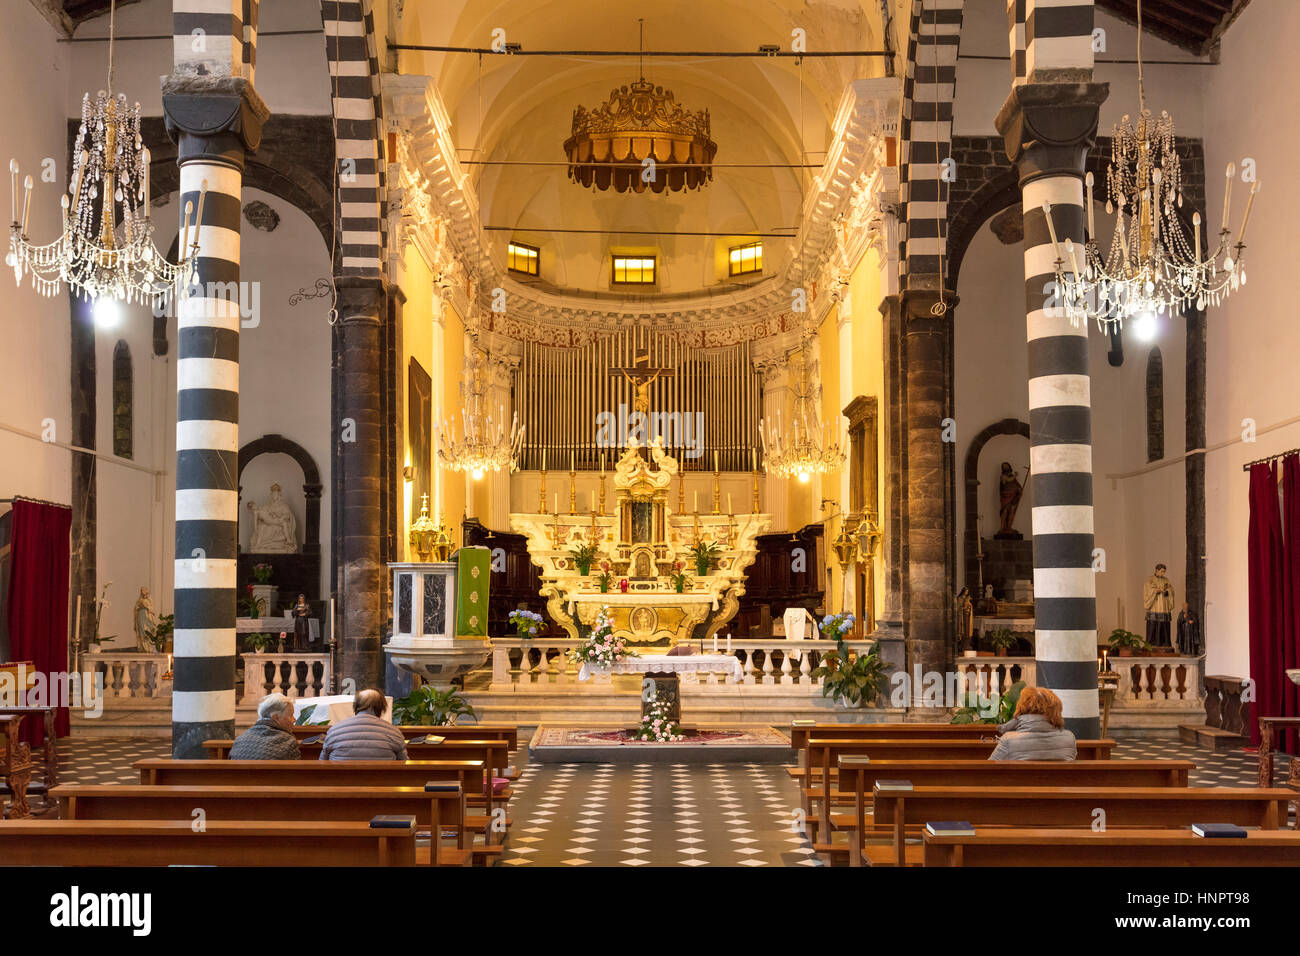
(642, 376)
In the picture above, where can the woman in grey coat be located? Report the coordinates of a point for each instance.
(1036, 731)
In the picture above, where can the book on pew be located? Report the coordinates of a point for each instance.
(893, 786)
(950, 828)
(433, 739)
(392, 821)
(1219, 831)
(313, 740)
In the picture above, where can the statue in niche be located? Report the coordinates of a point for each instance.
(301, 624)
(1010, 491)
(274, 529)
(144, 620)
(965, 618)
(1158, 600)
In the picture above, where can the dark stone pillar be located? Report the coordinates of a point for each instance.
(82, 580)
(928, 587)
(358, 483)
(891, 612)
(1194, 463)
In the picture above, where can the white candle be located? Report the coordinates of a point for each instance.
(1092, 229)
(697, 502)
(1051, 228)
(1250, 201)
(198, 217)
(1227, 195)
(593, 501)
(1196, 234)
(183, 252)
(557, 507)
(753, 457)
(13, 190)
(729, 508)
(144, 158)
(715, 454)
(543, 459)
(76, 623)
(728, 643)
(332, 637)
(27, 202)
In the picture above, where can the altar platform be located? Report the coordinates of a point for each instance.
(704, 744)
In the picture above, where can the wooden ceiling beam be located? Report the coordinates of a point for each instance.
(52, 10)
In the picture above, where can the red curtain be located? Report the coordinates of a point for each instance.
(1289, 635)
(38, 598)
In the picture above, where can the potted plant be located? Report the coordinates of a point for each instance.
(835, 626)
(972, 713)
(678, 576)
(526, 623)
(427, 706)
(853, 677)
(605, 578)
(262, 588)
(1126, 643)
(251, 604)
(1002, 640)
(259, 642)
(583, 555)
(160, 635)
(705, 555)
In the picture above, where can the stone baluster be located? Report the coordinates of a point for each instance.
(786, 677)
(500, 665)
(805, 669)
(767, 667)
(747, 665)
(120, 681)
(544, 668)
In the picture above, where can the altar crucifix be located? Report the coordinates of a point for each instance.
(642, 376)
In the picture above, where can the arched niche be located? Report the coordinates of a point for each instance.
(1007, 426)
(293, 573)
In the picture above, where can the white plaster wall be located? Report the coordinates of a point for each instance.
(34, 365)
(1253, 339)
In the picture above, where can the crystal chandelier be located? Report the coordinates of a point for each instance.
(805, 448)
(109, 184)
(1152, 265)
(484, 445)
(621, 144)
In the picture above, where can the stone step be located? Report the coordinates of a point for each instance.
(1214, 739)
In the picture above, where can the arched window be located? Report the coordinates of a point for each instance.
(1155, 405)
(123, 402)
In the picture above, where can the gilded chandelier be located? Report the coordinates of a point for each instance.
(1152, 266)
(109, 182)
(483, 445)
(804, 448)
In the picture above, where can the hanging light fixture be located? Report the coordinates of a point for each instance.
(109, 183)
(1152, 266)
(484, 445)
(805, 448)
(621, 144)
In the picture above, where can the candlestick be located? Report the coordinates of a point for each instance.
(753, 459)
(717, 493)
(681, 493)
(730, 511)
(541, 492)
(602, 494)
(1092, 230)
(543, 460)
(13, 191)
(76, 624)
(755, 507)
(1227, 195)
(1250, 201)
(593, 501)
(1051, 229)
(557, 507)
(573, 491)
(27, 202)
(331, 620)
(696, 500)
(715, 459)
(198, 216)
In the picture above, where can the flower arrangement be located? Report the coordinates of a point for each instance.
(605, 578)
(526, 623)
(252, 605)
(705, 555)
(656, 725)
(262, 573)
(601, 648)
(583, 555)
(853, 677)
(679, 577)
(835, 626)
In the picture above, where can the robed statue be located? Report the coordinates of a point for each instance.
(1010, 491)
(144, 620)
(274, 529)
(1158, 600)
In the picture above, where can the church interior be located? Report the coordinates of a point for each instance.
(723, 434)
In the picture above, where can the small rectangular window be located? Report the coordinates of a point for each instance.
(634, 270)
(745, 259)
(522, 258)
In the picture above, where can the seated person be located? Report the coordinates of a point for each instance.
(1036, 731)
(365, 735)
(270, 738)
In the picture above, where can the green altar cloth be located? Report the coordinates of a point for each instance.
(473, 570)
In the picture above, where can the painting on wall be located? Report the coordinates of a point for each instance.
(419, 435)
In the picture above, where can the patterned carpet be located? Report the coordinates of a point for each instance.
(649, 814)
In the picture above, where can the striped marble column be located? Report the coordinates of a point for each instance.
(213, 113)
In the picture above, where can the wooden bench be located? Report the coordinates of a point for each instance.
(1112, 848)
(439, 811)
(903, 812)
(506, 732)
(221, 843)
(822, 756)
(857, 776)
(801, 731)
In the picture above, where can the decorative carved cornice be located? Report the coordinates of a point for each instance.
(867, 115)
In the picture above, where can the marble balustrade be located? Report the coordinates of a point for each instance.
(134, 675)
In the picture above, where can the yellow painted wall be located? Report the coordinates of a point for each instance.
(453, 363)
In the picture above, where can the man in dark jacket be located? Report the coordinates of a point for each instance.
(270, 738)
(365, 735)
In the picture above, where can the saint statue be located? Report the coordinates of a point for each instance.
(274, 527)
(965, 618)
(144, 619)
(1009, 493)
(1189, 633)
(301, 624)
(1158, 599)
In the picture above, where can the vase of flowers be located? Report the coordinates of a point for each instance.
(705, 555)
(835, 626)
(526, 623)
(605, 578)
(583, 555)
(656, 724)
(678, 576)
(601, 648)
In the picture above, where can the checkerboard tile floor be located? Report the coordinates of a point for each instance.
(732, 814)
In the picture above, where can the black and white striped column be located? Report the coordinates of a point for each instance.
(1049, 128)
(214, 123)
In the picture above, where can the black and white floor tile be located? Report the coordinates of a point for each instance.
(652, 814)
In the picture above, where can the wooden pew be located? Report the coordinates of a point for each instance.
(1112, 848)
(901, 812)
(221, 843)
(506, 732)
(822, 755)
(438, 810)
(801, 731)
(857, 775)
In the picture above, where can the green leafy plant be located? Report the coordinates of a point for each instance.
(1122, 638)
(705, 555)
(252, 606)
(855, 677)
(973, 713)
(429, 707)
(262, 573)
(583, 555)
(605, 578)
(157, 636)
(1002, 639)
(259, 642)
(681, 580)
(304, 718)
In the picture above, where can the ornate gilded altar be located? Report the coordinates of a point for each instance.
(641, 541)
